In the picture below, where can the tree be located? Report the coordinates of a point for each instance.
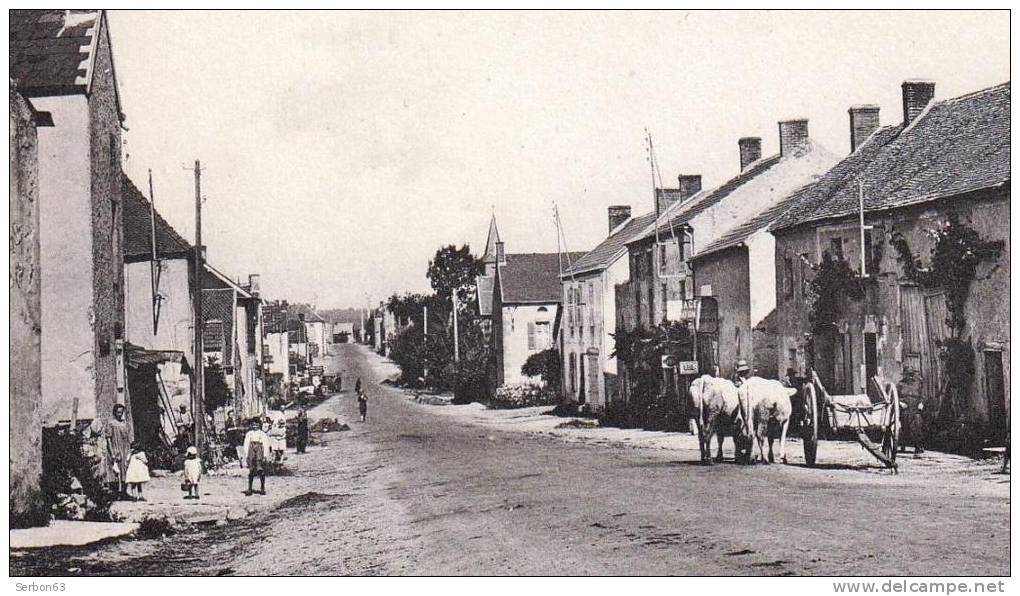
(452, 269)
(217, 392)
(546, 364)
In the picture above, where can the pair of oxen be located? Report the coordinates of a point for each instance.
(758, 409)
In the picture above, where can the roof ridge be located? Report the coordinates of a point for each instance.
(973, 94)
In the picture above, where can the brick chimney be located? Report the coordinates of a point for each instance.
(690, 185)
(793, 137)
(863, 122)
(750, 151)
(916, 96)
(617, 215)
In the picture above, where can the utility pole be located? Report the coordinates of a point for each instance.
(456, 338)
(425, 330)
(198, 395)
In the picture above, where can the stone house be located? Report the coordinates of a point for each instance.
(62, 61)
(589, 313)
(942, 159)
(231, 333)
(275, 347)
(737, 270)
(159, 326)
(663, 286)
(27, 506)
(526, 300)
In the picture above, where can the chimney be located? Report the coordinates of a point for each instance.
(863, 122)
(617, 215)
(750, 151)
(916, 96)
(690, 185)
(793, 137)
(500, 253)
(253, 284)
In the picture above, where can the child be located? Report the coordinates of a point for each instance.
(137, 470)
(362, 405)
(192, 473)
(256, 445)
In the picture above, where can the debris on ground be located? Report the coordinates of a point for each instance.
(579, 423)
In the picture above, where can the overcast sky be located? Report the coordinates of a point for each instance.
(342, 149)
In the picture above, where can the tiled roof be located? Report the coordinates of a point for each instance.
(612, 247)
(956, 146)
(138, 228)
(533, 277)
(51, 50)
(681, 214)
(293, 310)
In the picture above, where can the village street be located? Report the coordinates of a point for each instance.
(413, 492)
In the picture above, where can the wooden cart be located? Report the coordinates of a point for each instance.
(857, 413)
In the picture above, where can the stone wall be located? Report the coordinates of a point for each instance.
(26, 503)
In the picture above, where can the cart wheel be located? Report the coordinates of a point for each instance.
(810, 433)
(891, 437)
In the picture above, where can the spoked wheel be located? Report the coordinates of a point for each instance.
(891, 435)
(810, 431)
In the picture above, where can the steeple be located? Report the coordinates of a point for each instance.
(491, 242)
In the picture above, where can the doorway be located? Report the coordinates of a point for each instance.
(870, 357)
(995, 392)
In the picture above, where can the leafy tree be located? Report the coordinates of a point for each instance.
(546, 364)
(452, 269)
(217, 392)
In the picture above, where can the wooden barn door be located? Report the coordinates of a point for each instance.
(935, 318)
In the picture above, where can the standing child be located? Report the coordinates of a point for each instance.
(192, 473)
(137, 471)
(362, 405)
(256, 445)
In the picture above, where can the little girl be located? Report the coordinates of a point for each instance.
(192, 473)
(137, 471)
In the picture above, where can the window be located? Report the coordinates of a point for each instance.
(662, 258)
(649, 266)
(871, 256)
(805, 279)
(539, 336)
(836, 248)
(788, 277)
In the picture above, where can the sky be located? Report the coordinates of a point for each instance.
(340, 150)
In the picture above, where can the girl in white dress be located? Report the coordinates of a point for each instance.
(192, 473)
(137, 471)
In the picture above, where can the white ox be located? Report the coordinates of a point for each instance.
(716, 404)
(764, 403)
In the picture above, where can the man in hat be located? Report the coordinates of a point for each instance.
(742, 373)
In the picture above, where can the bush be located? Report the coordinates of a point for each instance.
(546, 365)
(72, 479)
(520, 395)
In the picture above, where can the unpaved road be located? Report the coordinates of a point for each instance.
(412, 492)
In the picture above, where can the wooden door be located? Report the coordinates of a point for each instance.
(936, 317)
(995, 392)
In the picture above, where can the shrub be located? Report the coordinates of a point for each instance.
(520, 395)
(546, 365)
(72, 479)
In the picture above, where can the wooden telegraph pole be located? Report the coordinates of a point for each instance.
(198, 395)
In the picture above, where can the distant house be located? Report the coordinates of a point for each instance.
(663, 285)
(276, 349)
(27, 505)
(61, 60)
(944, 159)
(313, 335)
(343, 332)
(526, 301)
(589, 312)
(159, 318)
(231, 334)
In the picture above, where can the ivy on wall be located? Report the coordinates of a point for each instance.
(833, 280)
(957, 251)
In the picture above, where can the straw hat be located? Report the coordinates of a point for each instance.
(742, 366)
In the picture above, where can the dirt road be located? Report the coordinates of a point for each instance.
(411, 492)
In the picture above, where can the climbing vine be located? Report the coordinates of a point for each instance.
(833, 279)
(957, 251)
